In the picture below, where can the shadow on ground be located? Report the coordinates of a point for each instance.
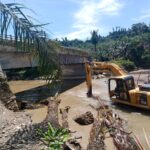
(43, 92)
(131, 109)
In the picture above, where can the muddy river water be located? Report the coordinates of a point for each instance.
(75, 97)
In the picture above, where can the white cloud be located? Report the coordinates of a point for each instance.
(89, 16)
(82, 32)
(145, 15)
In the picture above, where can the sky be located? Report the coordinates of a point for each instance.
(77, 18)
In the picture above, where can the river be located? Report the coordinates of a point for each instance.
(75, 97)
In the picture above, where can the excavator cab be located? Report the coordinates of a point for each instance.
(119, 88)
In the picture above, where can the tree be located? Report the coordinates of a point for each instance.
(139, 28)
(94, 38)
(65, 42)
(28, 37)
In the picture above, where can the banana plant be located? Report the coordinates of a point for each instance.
(28, 37)
(54, 138)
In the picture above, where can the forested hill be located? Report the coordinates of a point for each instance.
(121, 45)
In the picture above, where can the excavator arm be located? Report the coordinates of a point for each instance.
(101, 67)
(88, 78)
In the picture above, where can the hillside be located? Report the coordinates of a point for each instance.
(131, 44)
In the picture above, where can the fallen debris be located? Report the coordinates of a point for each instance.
(72, 143)
(85, 119)
(96, 140)
(52, 114)
(6, 95)
(109, 122)
(64, 117)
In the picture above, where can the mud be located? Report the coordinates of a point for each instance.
(37, 115)
(20, 85)
(76, 98)
(10, 123)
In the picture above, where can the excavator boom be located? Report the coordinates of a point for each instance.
(101, 67)
(109, 67)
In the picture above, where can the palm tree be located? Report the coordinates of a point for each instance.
(94, 38)
(28, 37)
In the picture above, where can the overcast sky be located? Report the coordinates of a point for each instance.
(76, 18)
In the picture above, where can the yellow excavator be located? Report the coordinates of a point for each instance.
(121, 87)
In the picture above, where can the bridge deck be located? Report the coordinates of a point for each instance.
(71, 60)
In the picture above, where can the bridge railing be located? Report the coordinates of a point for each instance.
(7, 40)
(15, 44)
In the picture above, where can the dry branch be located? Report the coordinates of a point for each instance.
(72, 143)
(108, 121)
(96, 140)
(64, 117)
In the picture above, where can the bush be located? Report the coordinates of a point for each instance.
(126, 64)
(54, 138)
(146, 61)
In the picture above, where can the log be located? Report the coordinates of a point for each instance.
(52, 113)
(64, 116)
(96, 140)
(72, 143)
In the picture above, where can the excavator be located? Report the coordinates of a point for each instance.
(121, 86)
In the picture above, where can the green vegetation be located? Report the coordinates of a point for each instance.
(54, 138)
(146, 60)
(126, 64)
(131, 45)
(94, 38)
